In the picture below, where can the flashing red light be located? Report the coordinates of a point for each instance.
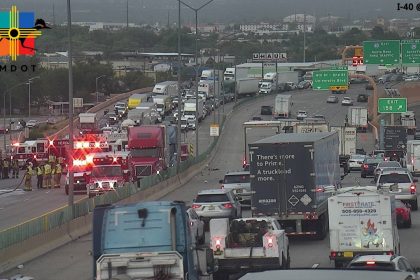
(51, 143)
(97, 144)
(115, 159)
(195, 206)
(218, 244)
(34, 156)
(228, 205)
(333, 254)
(16, 144)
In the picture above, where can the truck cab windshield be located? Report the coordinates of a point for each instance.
(107, 170)
(151, 152)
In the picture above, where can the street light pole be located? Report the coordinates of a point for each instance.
(178, 158)
(196, 68)
(70, 150)
(29, 94)
(96, 87)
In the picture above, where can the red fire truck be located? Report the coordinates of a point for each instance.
(83, 151)
(109, 171)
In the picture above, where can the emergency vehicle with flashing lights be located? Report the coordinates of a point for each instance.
(33, 150)
(249, 244)
(109, 171)
(83, 150)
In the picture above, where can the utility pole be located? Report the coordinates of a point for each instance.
(178, 158)
(127, 12)
(71, 130)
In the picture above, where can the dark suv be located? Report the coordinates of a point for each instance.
(368, 167)
(266, 110)
(362, 97)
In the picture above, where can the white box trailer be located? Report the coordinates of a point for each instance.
(362, 221)
(412, 157)
(358, 117)
(166, 88)
(282, 105)
(246, 86)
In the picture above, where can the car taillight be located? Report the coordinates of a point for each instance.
(269, 240)
(217, 243)
(399, 211)
(195, 206)
(228, 205)
(390, 253)
(333, 254)
(365, 166)
(413, 189)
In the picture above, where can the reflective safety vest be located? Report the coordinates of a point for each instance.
(47, 169)
(51, 158)
(29, 171)
(39, 170)
(58, 169)
(6, 163)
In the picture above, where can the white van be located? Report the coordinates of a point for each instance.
(412, 157)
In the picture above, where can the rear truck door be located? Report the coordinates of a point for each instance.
(360, 225)
(281, 178)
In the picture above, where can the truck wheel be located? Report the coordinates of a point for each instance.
(414, 205)
(321, 229)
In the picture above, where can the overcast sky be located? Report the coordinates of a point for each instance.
(219, 11)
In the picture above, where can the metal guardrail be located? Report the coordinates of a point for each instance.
(63, 215)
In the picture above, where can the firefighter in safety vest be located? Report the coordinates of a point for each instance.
(28, 178)
(47, 175)
(6, 168)
(15, 168)
(57, 175)
(39, 176)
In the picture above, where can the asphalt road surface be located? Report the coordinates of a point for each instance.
(73, 261)
(17, 206)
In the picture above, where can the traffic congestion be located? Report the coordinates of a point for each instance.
(240, 161)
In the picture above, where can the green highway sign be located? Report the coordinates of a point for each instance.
(381, 52)
(392, 105)
(410, 50)
(324, 79)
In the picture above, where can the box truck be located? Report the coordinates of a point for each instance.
(289, 175)
(246, 86)
(412, 157)
(358, 117)
(362, 221)
(282, 105)
(347, 137)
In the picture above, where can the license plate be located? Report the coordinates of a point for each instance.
(211, 207)
(348, 254)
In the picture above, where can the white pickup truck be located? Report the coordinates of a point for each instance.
(248, 244)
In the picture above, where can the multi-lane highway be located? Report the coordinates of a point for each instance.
(73, 261)
(17, 206)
